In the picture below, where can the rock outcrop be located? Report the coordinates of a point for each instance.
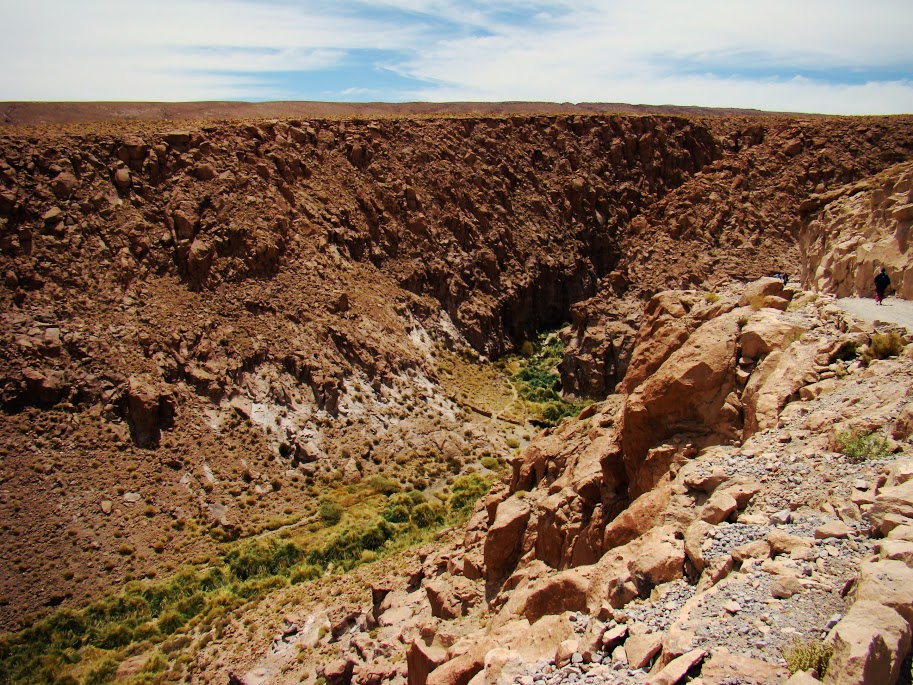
(851, 232)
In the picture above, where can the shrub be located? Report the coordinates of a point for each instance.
(330, 511)
(259, 559)
(383, 485)
(305, 572)
(112, 636)
(884, 345)
(847, 351)
(169, 621)
(712, 298)
(491, 463)
(396, 513)
(426, 515)
(416, 497)
(102, 673)
(258, 587)
(861, 445)
(803, 656)
(465, 492)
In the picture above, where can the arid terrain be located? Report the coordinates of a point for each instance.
(295, 392)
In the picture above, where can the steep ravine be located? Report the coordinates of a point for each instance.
(209, 327)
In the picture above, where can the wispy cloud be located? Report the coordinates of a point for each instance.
(842, 56)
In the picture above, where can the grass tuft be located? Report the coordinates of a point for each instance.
(804, 656)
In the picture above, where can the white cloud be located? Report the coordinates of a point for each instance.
(703, 52)
(666, 53)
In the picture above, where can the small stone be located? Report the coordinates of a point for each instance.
(732, 607)
(132, 497)
(785, 587)
(106, 506)
(122, 178)
(781, 518)
(832, 529)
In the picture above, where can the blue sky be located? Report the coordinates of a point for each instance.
(840, 57)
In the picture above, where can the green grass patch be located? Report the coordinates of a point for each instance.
(537, 381)
(83, 646)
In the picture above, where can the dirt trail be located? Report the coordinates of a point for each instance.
(893, 310)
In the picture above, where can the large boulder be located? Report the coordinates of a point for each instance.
(889, 582)
(765, 331)
(632, 570)
(724, 668)
(504, 538)
(537, 641)
(149, 410)
(422, 659)
(892, 505)
(665, 326)
(555, 595)
(462, 669)
(452, 596)
(776, 381)
(686, 394)
(870, 645)
(764, 292)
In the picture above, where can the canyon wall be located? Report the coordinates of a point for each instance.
(194, 317)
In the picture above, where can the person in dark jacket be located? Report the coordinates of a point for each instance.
(882, 281)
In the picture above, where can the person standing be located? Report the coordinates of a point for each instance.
(882, 281)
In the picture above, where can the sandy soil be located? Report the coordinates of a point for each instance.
(894, 310)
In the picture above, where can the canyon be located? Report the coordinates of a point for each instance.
(217, 328)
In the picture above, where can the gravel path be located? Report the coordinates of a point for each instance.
(893, 310)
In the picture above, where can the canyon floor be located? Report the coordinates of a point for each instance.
(452, 394)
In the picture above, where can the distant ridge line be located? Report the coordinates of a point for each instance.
(51, 113)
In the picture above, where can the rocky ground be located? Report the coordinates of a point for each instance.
(757, 544)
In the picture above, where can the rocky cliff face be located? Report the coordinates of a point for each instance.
(849, 234)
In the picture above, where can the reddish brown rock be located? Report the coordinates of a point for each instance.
(767, 331)
(460, 670)
(676, 669)
(502, 542)
(422, 659)
(888, 582)
(148, 410)
(724, 668)
(892, 506)
(451, 597)
(690, 387)
(641, 646)
(555, 595)
(64, 185)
